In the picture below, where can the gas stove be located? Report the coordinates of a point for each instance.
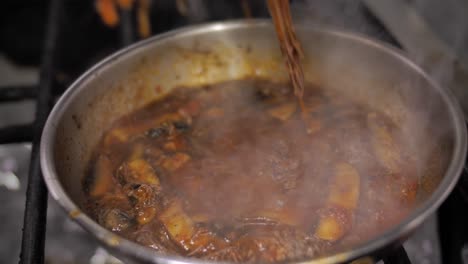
(72, 40)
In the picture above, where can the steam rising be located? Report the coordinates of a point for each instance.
(261, 172)
(449, 21)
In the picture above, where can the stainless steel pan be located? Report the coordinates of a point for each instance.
(366, 70)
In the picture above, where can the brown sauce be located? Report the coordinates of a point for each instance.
(228, 172)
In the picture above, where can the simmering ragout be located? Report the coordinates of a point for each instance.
(235, 172)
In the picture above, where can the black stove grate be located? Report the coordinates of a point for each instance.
(34, 225)
(32, 249)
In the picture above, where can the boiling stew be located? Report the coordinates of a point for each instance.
(235, 172)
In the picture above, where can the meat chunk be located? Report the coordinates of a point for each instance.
(183, 231)
(178, 224)
(138, 171)
(115, 219)
(162, 125)
(114, 212)
(169, 125)
(175, 144)
(344, 191)
(137, 152)
(334, 223)
(142, 186)
(116, 135)
(156, 237)
(341, 202)
(176, 161)
(204, 242)
(102, 180)
(279, 215)
(144, 199)
(283, 112)
(384, 144)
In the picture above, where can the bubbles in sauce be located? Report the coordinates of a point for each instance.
(235, 172)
